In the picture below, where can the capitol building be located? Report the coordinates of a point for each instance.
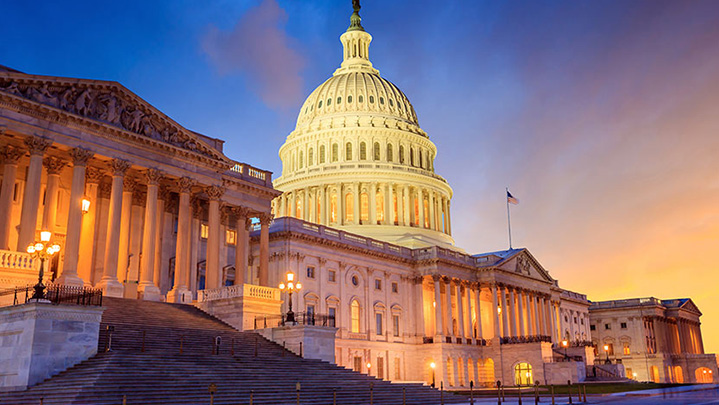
(146, 209)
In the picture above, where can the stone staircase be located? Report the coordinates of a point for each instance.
(166, 354)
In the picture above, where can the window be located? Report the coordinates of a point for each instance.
(381, 100)
(310, 272)
(320, 104)
(332, 276)
(581, 321)
(371, 99)
(607, 326)
(310, 157)
(395, 287)
(364, 207)
(329, 102)
(204, 231)
(566, 319)
(378, 319)
(376, 151)
(523, 374)
(575, 319)
(421, 161)
(592, 327)
(335, 152)
(389, 153)
(302, 159)
(378, 284)
(230, 237)
(357, 364)
(339, 100)
(395, 325)
(348, 151)
(396, 364)
(379, 205)
(310, 311)
(355, 315)
(623, 325)
(322, 153)
(401, 154)
(411, 156)
(360, 99)
(349, 208)
(333, 208)
(332, 312)
(363, 151)
(355, 281)
(626, 351)
(611, 349)
(380, 367)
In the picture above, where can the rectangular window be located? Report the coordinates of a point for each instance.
(623, 325)
(607, 326)
(396, 369)
(380, 367)
(611, 349)
(630, 374)
(395, 288)
(310, 272)
(333, 317)
(378, 284)
(230, 237)
(310, 310)
(592, 327)
(378, 318)
(357, 363)
(332, 276)
(395, 325)
(575, 319)
(626, 351)
(204, 231)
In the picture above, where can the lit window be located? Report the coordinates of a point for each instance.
(626, 349)
(355, 315)
(395, 287)
(363, 151)
(364, 207)
(379, 205)
(230, 237)
(310, 272)
(204, 231)
(332, 276)
(333, 208)
(349, 208)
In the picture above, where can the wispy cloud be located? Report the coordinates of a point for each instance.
(260, 48)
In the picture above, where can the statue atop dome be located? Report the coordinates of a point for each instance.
(355, 19)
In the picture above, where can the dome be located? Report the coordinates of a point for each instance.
(356, 92)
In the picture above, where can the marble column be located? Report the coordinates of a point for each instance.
(109, 283)
(147, 289)
(372, 194)
(460, 309)
(538, 315)
(430, 198)
(180, 291)
(505, 313)
(420, 202)
(213, 272)
(478, 310)
(449, 218)
(405, 206)
(123, 259)
(85, 267)
(322, 208)
(265, 220)
(545, 315)
(388, 205)
(513, 330)
(163, 196)
(468, 314)
(554, 324)
(241, 248)
(54, 167)
(439, 328)
(419, 314)
(495, 309)
(306, 216)
(31, 198)
(11, 155)
(69, 275)
(450, 315)
(520, 310)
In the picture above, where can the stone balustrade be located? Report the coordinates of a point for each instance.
(252, 174)
(16, 260)
(243, 290)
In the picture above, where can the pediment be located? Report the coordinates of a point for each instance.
(524, 263)
(110, 103)
(690, 306)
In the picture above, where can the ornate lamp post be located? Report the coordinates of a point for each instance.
(42, 250)
(291, 286)
(432, 366)
(565, 343)
(606, 350)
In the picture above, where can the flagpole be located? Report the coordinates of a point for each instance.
(509, 223)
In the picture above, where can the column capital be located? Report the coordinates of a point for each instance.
(241, 213)
(163, 193)
(214, 192)
(11, 155)
(265, 218)
(94, 175)
(80, 156)
(153, 176)
(185, 184)
(437, 278)
(54, 165)
(104, 190)
(119, 167)
(37, 145)
(129, 184)
(196, 205)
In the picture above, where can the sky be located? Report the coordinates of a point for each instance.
(602, 117)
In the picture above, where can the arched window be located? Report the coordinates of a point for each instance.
(333, 208)
(322, 154)
(363, 151)
(339, 100)
(401, 153)
(376, 151)
(379, 198)
(703, 375)
(360, 98)
(335, 152)
(349, 99)
(302, 158)
(298, 208)
(348, 151)
(349, 208)
(310, 157)
(421, 161)
(523, 374)
(364, 208)
(411, 156)
(371, 99)
(355, 316)
(389, 152)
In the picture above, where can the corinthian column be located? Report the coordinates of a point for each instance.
(179, 292)
(10, 155)
(460, 309)
(69, 275)
(439, 329)
(265, 220)
(213, 275)
(163, 195)
(147, 289)
(123, 259)
(53, 166)
(31, 198)
(93, 177)
(243, 236)
(109, 284)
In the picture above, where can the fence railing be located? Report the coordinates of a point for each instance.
(301, 318)
(525, 339)
(55, 293)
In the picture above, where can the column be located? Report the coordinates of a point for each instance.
(512, 314)
(213, 273)
(180, 292)
(460, 309)
(450, 318)
(11, 156)
(468, 314)
(242, 224)
(555, 339)
(356, 203)
(444, 215)
(438, 327)
(505, 313)
(389, 214)
(306, 205)
(147, 289)
(265, 220)
(372, 203)
(53, 166)
(420, 205)
(163, 196)
(31, 198)
(109, 283)
(449, 218)
(93, 177)
(520, 309)
(545, 315)
(322, 202)
(478, 309)
(495, 308)
(197, 214)
(340, 205)
(123, 259)
(405, 206)
(540, 318)
(430, 205)
(69, 275)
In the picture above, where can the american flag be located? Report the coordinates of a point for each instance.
(511, 199)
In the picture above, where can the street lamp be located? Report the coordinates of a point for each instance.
(291, 286)
(432, 366)
(606, 350)
(85, 205)
(565, 343)
(42, 250)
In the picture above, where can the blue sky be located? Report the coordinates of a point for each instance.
(601, 116)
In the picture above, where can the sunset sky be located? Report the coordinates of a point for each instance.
(602, 117)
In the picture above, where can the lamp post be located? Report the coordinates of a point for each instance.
(291, 286)
(565, 343)
(606, 350)
(432, 366)
(85, 205)
(42, 250)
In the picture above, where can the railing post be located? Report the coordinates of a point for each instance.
(569, 390)
(252, 397)
(334, 396)
(297, 387)
(404, 395)
(371, 393)
(441, 392)
(499, 394)
(301, 350)
(124, 400)
(471, 392)
(551, 387)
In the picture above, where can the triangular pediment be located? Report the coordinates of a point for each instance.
(690, 306)
(522, 262)
(108, 103)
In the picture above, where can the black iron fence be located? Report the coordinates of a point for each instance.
(55, 293)
(301, 318)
